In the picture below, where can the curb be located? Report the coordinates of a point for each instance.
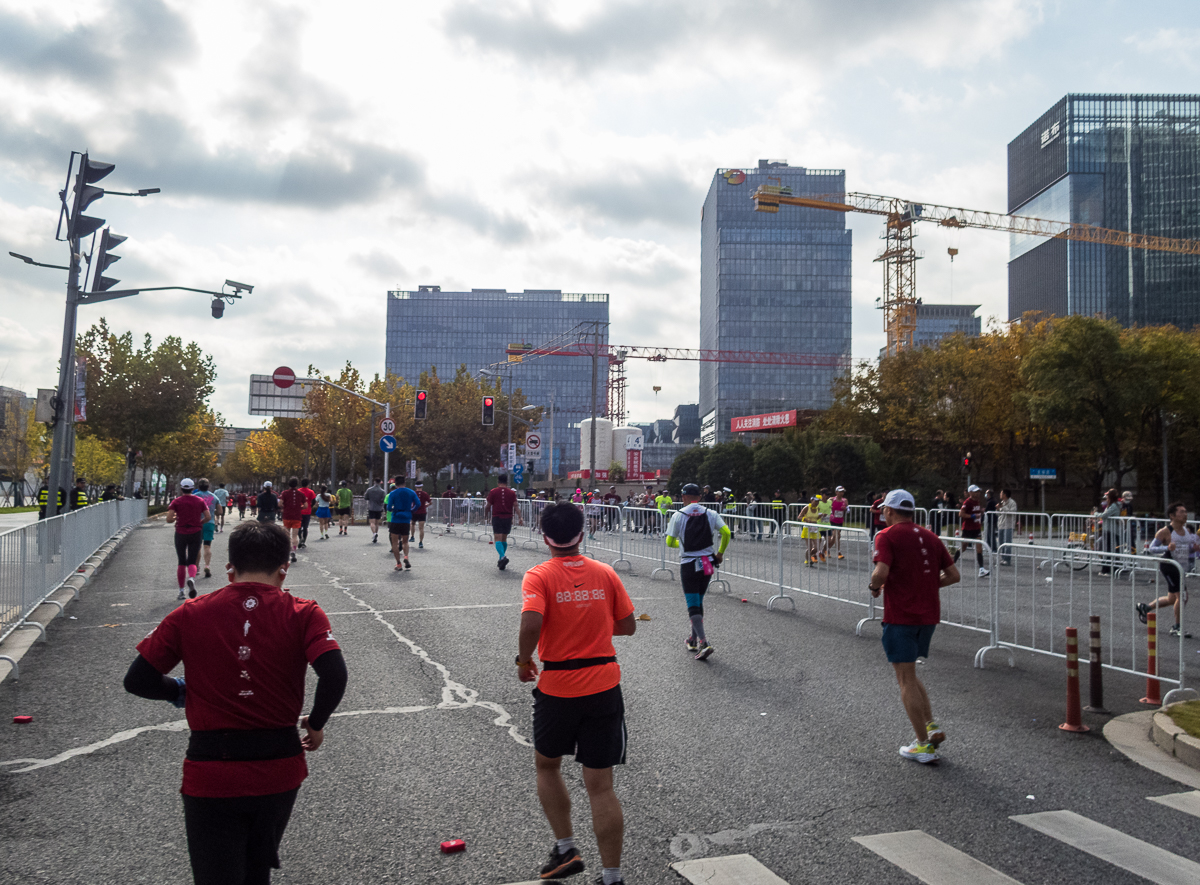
(1174, 740)
(17, 643)
(1133, 736)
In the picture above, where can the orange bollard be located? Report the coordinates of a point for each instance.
(1074, 716)
(1096, 673)
(1152, 698)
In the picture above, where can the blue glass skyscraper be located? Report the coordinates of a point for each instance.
(1126, 162)
(778, 283)
(431, 328)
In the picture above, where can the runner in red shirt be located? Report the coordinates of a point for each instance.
(245, 650)
(971, 513)
(421, 513)
(501, 504)
(189, 513)
(291, 504)
(240, 498)
(911, 565)
(572, 608)
(306, 512)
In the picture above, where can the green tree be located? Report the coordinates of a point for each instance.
(728, 464)
(777, 465)
(686, 468)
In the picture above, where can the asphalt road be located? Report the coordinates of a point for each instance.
(783, 745)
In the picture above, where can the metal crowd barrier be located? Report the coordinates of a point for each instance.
(817, 562)
(35, 559)
(753, 552)
(1034, 604)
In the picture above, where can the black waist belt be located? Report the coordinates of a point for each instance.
(244, 746)
(578, 663)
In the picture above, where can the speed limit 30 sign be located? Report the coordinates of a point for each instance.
(387, 426)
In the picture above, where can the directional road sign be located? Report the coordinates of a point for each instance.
(1043, 473)
(387, 443)
(518, 473)
(387, 426)
(283, 377)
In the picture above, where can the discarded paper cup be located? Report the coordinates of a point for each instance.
(453, 845)
(22, 720)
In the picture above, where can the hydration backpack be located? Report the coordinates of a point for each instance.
(697, 534)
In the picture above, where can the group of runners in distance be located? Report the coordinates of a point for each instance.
(572, 607)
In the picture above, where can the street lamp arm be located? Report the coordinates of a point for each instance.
(29, 260)
(96, 297)
(516, 418)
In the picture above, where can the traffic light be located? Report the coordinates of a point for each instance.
(421, 405)
(105, 259)
(489, 411)
(90, 171)
(967, 462)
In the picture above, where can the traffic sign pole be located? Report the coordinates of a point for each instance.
(387, 416)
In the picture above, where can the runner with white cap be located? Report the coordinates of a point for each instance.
(972, 527)
(911, 565)
(189, 513)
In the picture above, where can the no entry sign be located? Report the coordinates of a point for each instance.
(283, 377)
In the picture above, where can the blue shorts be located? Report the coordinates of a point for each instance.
(904, 643)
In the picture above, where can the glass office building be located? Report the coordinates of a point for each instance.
(778, 283)
(938, 321)
(430, 328)
(1126, 162)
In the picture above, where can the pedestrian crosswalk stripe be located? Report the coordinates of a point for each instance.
(931, 860)
(733, 869)
(1117, 848)
(1188, 803)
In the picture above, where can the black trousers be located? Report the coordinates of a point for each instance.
(236, 841)
(187, 547)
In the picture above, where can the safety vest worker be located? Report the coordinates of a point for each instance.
(79, 498)
(43, 499)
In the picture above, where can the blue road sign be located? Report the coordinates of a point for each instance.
(387, 443)
(1043, 473)
(518, 473)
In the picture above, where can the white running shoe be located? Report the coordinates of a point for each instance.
(919, 752)
(983, 573)
(191, 588)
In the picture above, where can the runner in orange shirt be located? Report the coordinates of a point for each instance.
(572, 607)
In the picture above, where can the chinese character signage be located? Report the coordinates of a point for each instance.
(769, 421)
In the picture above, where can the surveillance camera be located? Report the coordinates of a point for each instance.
(218, 308)
(239, 286)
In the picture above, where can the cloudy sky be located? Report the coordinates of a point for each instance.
(327, 152)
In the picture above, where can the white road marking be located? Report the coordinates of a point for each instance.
(689, 845)
(455, 695)
(1117, 848)
(119, 737)
(931, 860)
(1188, 803)
(734, 869)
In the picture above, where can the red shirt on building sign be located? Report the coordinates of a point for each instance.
(915, 558)
(189, 511)
(245, 650)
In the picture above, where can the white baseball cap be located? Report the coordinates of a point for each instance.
(898, 499)
(267, 484)
(186, 484)
(840, 489)
(973, 488)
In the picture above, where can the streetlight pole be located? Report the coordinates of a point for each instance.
(550, 468)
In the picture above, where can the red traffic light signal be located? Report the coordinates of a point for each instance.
(421, 405)
(967, 462)
(489, 410)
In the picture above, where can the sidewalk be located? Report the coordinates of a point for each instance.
(10, 521)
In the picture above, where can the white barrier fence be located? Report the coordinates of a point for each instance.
(35, 559)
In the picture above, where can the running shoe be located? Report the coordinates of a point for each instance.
(420, 545)
(1174, 631)
(375, 539)
(822, 557)
(1142, 610)
(562, 864)
(181, 595)
(704, 652)
(191, 588)
(983, 573)
(936, 734)
(207, 572)
(399, 567)
(293, 560)
(407, 564)
(841, 556)
(692, 644)
(503, 563)
(919, 752)
(600, 881)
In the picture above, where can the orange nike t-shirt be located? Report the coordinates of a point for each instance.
(579, 600)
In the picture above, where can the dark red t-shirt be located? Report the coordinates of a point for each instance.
(503, 500)
(291, 502)
(877, 513)
(425, 499)
(245, 649)
(916, 558)
(189, 510)
(970, 512)
(241, 499)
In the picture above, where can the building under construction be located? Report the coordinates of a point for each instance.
(771, 283)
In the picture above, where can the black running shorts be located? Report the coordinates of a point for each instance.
(399, 528)
(418, 517)
(374, 514)
(971, 533)
(236, 839)
(591, 727)
(501, 526)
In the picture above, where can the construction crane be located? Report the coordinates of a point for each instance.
(899, 300)
(616, 355)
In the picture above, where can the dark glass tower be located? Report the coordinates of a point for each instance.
(770, 282)
(430, 327)
(1127, 162)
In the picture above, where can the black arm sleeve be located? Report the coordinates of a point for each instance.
(146, 682)
(331, 684)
